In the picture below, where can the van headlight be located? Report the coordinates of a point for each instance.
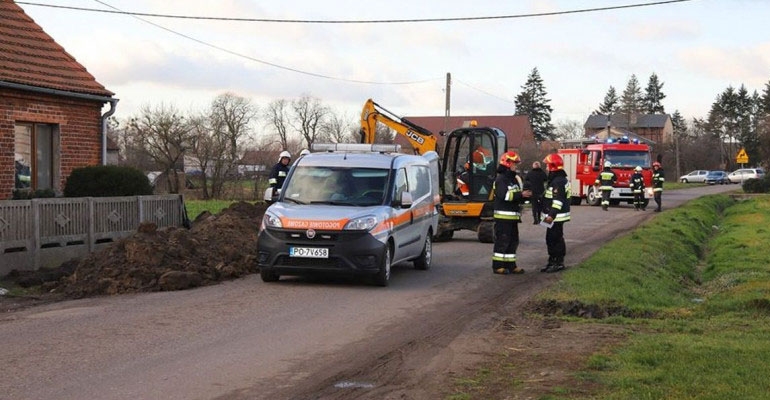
(361, 223)
(270, 220)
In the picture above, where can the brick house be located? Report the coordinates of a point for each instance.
(516, 128)
(51, 119)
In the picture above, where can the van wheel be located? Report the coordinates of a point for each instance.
(486, 231)
(593, 198)
(268, 276)
(423, 261)
(382, 277)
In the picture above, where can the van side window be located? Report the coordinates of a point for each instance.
(400, 185)
(419, 181)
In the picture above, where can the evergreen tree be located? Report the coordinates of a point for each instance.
(631, 101)
(653, 95)
(764, 104)
(532, 102)
(679, 123)
(610, 104)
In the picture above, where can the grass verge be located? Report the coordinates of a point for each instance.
(693, 288)
(195, 207)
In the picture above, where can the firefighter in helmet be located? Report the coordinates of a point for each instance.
(279, 172)
(605, 181)
(557, 201)
(657, 183)
(508, 196)
(637, 187)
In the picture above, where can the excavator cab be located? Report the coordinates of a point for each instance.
(468, 172)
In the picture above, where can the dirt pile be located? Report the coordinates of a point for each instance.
(217, 247)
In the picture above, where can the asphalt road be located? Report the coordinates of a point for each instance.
(296, 338)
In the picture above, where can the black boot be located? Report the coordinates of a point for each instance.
(549, 265)
(558, 265)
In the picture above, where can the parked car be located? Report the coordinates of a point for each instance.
(697, 176)
(740, 175)
(717, 177)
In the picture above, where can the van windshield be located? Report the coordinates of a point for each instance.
(628, 159)
(337, 186)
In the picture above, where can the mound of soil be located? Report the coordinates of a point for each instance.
(217, 247)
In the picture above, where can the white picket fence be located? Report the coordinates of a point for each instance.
(43, 233)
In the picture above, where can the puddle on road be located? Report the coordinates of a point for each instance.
(353, 385)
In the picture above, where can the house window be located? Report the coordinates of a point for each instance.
(36, 156)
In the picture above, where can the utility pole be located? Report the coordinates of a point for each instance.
(447, 93)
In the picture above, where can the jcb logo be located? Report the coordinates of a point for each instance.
(417, 138)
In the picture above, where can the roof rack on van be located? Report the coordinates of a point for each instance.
(357, 147)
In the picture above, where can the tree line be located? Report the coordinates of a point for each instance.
(737, 120)
(217, 139)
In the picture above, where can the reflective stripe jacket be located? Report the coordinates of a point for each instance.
(508, 198)
(557, 196)
(637, 182)
(657, 180)
(606, 179)
(278, 175)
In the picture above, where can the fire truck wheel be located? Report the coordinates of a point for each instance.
(593, 198)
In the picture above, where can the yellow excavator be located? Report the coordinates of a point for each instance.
(467, 170)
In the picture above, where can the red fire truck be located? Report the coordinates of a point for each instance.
(584, 160)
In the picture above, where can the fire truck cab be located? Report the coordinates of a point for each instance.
(585, 160)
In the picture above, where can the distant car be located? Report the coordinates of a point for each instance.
(740, 175)
(717, 177)
(697, 176)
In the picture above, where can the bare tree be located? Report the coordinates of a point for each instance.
(277, 118)
(205, 148)
(231, 117)
(569, 129)
(308, 116)
(337, 128)
(163, 133)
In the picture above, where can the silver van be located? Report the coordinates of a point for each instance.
(351, 209)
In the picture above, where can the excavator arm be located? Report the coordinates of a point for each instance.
(421, 139)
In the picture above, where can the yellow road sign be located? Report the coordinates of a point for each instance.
(742, 157)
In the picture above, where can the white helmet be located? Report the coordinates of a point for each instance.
(638, 168)
(304, 152)
(607, 164)
(284, 154)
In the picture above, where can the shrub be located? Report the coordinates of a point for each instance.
(106, 181)
(757, 185)
(26, 194)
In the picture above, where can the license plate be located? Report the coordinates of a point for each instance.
(309, 252)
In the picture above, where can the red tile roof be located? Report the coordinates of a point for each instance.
(29, 56)
(516, 127)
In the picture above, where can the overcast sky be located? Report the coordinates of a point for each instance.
(697, 48)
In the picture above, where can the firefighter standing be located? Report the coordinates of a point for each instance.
(556, 206)
(508, 196)
(535, 180)
(637, 187)
(605, 181)
(279, 172)
(657, 183)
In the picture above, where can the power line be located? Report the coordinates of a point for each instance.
(484, 91)
(283, 67)
(371, 21)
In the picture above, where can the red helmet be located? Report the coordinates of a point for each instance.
(553, 162)
(656, 164)
(509, 158)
